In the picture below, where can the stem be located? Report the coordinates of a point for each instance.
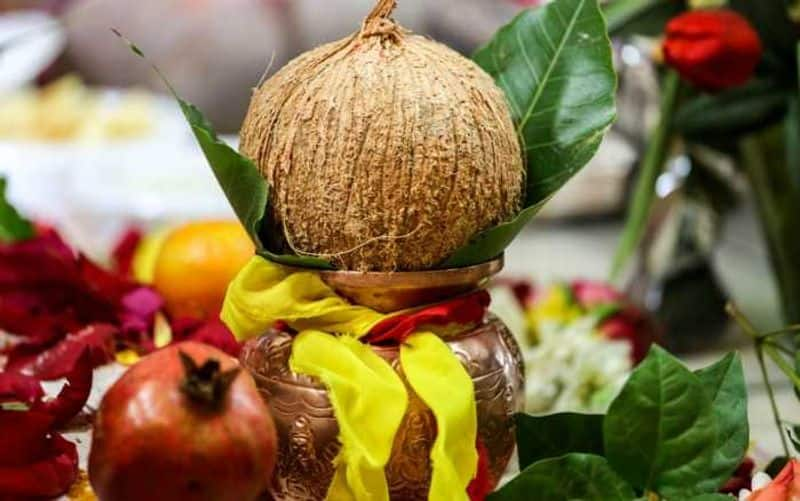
(382, 10)
(652, 165)
(207, 385)
(771, 395)
(782, 364)
(378, 21)
(743, 321)
(780, 348)
(762, 344)
(780, 332)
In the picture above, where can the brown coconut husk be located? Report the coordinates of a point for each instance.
(384, 150)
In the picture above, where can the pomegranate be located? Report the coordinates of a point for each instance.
(185, 423)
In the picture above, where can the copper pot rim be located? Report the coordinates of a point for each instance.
(446, 277)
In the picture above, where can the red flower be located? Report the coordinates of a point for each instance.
(784, 487)
(625, 323)
(712, 49)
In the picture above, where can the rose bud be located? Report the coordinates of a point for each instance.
(713, 49)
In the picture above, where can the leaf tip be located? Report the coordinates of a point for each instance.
(136, 50)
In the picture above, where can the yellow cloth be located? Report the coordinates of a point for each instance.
(368, 397)
(440, 380)
(265, 292)
(369, 401)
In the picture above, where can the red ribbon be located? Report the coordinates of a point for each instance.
(464, 310)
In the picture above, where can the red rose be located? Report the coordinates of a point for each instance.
(712, 49)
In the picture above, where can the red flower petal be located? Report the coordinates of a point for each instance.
(590, 293)
(124, 251)
(15, 387)
(633, 326)
(212, 332)
(463, 310)
(28, 442)
(44, 259)
(102, 283)
(49, 476)
(73, 395)
(138, 309)
(58, 361)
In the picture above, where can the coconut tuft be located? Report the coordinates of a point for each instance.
(384, 151)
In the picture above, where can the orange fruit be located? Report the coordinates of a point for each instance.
(195, 264)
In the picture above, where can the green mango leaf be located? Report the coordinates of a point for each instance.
(13, 227)
(491, 243)
(543, 437)
(639, 17)
(245, 187)
(583, 477)
(724, 384)
(554, 65)
(734, 112)
(660, 432)
(247, 191)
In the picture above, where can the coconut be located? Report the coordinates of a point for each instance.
(384, 150)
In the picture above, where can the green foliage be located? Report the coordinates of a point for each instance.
(245, 187)
(13, 227)
(722, 382)
(541, 437)
(585, 477)
(640, 17)
(554, 65)
(737, 111)
(670, 432)
(660, 432)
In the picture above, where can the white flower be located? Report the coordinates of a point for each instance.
(574, 368)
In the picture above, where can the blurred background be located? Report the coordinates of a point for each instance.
(91, 144)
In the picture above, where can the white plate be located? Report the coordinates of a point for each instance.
(92, 192)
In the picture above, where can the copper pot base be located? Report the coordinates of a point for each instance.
(307, 428)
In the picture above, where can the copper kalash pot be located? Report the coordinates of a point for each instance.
(304, 418)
